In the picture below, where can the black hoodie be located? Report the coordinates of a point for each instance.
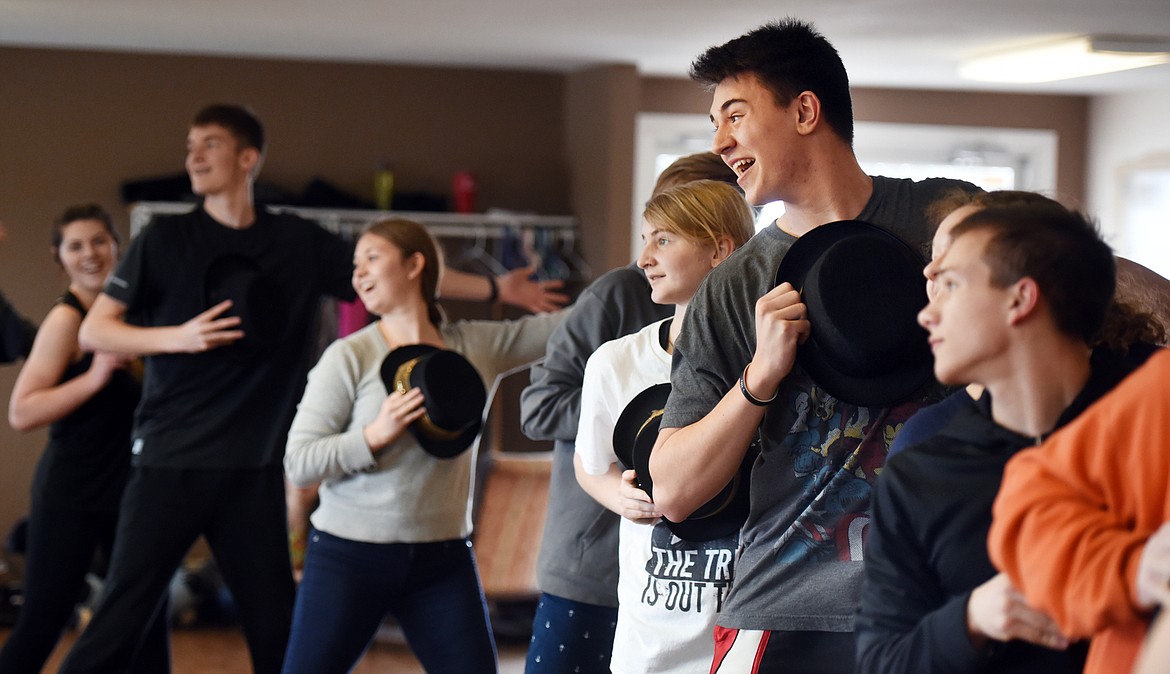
(927, 544)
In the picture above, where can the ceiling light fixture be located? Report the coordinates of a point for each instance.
(1067, 58)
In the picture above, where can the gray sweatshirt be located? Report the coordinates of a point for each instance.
(400, 494)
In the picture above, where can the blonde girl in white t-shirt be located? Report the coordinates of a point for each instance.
(669, 590)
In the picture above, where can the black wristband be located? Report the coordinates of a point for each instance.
(748, 394)
(495, 293)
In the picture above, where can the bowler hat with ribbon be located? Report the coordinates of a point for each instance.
(634, 436)
(863, 288)
(453, 395)
(258, 301)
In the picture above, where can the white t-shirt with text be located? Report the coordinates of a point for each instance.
(669, 590)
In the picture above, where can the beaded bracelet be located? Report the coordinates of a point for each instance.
(748, 394)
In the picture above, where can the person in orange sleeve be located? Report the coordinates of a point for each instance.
(1080, 522)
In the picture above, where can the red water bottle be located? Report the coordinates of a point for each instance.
(463, 187)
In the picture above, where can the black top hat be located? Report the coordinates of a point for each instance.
(863, 287)
(634, 436)
(453, 395)
(256, 300)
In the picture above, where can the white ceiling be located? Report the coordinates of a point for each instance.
(887, 43)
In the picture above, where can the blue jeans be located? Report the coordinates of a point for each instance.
(431, 589)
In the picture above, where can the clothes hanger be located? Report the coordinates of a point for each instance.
(478, 253)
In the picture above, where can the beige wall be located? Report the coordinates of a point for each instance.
(600, 110)
(74, 125)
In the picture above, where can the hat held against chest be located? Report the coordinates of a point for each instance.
(863, 287)
(634, 436)
(453, 395)
(256, 299)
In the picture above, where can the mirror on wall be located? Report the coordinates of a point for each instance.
(992, 158)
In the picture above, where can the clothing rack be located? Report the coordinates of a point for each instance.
(475, 228)
(350, 222)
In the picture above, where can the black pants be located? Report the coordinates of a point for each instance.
(776, 652)
(241, 513)
(61, 546)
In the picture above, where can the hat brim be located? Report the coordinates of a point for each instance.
(634, 415)
(880, 389)
(449, 446)
(635, 434)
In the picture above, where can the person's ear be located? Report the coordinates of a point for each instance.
(415, 263)
(724, 245)
(1024, 299)
(249, 159)
(808, 112)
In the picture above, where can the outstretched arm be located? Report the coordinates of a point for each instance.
(514, 287)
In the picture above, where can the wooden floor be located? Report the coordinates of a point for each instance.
(222, 650)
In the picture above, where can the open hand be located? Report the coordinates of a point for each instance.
(207, 331)
(518, 289)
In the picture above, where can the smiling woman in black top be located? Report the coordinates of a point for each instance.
(87, 400)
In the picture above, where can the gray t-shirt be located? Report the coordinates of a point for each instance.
(801, 553)
(578, 553)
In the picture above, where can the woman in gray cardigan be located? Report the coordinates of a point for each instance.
(391, 534)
